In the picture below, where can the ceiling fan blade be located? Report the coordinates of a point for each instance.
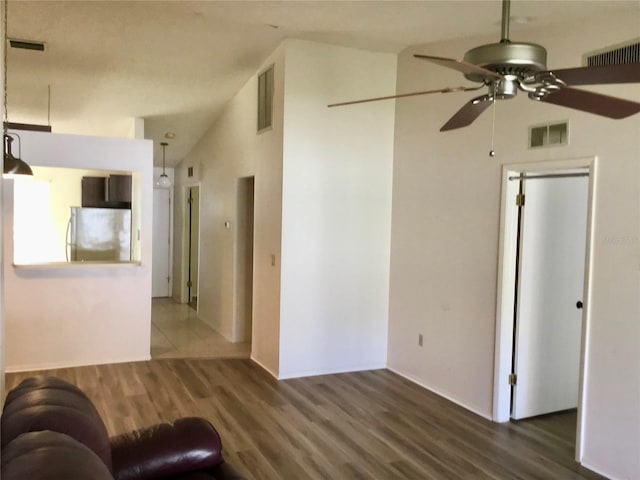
(625, 73)
(592, 102)
(459, 65)
(402, 95)
(467, 114)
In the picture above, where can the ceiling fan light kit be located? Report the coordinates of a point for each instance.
(506, 67)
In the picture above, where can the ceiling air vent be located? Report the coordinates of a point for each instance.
(628, 52)
(27, 45)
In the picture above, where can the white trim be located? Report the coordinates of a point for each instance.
(504, 310)
(600, 472)
(76, 265)
(331, 371)
(263, 366)
(441, 394)
(55, 365)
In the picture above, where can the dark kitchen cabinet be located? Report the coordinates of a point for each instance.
(94, 191)
(119, 188)
(113, 191)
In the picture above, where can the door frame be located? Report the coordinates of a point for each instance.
(184, 291)
(243, 185)
(506, 284)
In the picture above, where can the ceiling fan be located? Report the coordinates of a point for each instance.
(507, 67)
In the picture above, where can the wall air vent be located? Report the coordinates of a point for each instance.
(628, 52)
(27, 45)
(265, 99)
(549, 135)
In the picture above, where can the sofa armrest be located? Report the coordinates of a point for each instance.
(166, 449)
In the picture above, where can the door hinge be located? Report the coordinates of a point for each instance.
(168, 279)
(190, 200)
(513, 379)
(189, 284)
(520, 200)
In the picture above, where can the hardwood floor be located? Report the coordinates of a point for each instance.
(366, 425)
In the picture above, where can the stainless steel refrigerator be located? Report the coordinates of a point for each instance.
(99, 235)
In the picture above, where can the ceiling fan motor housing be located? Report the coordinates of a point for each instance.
(517, 59)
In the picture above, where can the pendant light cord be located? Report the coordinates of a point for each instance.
(492, 152)
(164, 145)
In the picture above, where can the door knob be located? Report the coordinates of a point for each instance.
(579, 304)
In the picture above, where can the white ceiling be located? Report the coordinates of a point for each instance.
(176, 63)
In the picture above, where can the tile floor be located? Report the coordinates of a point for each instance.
(177, 332)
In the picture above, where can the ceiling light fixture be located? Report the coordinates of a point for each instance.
(163, 180)
(11, 165)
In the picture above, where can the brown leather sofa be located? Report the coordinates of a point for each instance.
(51, 430)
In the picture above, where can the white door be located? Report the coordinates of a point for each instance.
(161, 243)
(551, 282)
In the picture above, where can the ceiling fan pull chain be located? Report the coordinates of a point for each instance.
(492, 152)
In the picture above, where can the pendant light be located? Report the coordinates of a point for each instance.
(14, 165)
(163, 180)
(11, 165)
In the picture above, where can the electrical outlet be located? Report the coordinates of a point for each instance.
(420, 339)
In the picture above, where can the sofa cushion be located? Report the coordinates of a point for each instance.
(50, 455)
(49, 403)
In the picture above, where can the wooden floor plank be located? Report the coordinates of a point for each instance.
(369, 425)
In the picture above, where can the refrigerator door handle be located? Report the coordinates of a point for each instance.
(67, 243)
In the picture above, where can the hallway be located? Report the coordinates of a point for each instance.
(177, 332)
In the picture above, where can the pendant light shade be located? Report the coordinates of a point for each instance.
(14, 165)
(163, 180)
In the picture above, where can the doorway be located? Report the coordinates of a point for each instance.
(539, 362)
(243, 282)
(192, 246)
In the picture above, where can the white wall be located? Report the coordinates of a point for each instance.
(65, 315)
(232, 149)
(2, 337)
(332, 315)
(336, 210)
(445, 238)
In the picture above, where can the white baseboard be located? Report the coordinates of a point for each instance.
(315, 373)
(600, 472)
(263, 366)
(412, 379)
(54, 365)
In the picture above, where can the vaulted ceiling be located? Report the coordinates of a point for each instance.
(176, 63)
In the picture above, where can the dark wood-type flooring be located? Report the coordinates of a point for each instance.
(366, 425)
